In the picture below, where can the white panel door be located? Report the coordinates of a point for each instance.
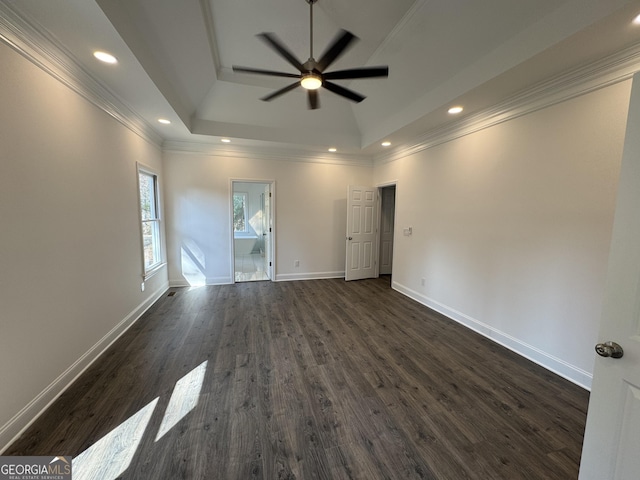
(361, 233)
(611, 447)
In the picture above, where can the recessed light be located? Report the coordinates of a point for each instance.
(333, 149)
(225, 140)
(105, 57)
(386, 144)
(455, 110)
(637, 20)
(164, 121)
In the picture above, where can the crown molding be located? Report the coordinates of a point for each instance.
(266, 153)
(579, 81)
(36, 45)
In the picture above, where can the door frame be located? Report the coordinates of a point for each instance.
(609, 448)
(272, 213)
(380, 186)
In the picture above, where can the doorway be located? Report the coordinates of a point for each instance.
(252, 227)
(387, 196)
(370, 231)
(387, 218)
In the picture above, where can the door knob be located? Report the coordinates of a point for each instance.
(349, 238)
(609, 349)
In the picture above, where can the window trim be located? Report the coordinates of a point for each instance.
(151, 270)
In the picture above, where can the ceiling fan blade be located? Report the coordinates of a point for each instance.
(365, 72)
(345, 92)
(278, 46)
(313, 99)
(337, 48)
(265, 72)
(282, 91)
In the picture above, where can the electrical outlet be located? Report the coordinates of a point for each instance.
(142, 287)
(296, 263)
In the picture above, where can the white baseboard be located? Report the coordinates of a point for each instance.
(558, 366)
(181, 282)
(219, 280)
(287, 277)
(283, 277)
(25, 417)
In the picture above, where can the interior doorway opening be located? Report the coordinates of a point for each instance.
(386, 229)
(252, 228)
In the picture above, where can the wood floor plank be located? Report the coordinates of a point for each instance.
(319, 379)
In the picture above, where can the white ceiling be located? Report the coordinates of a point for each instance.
(176, 56)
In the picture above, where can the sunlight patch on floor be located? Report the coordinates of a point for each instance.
(183, 399)
(110, 456)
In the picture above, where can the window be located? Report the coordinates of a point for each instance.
(240, 212)
(150, 217)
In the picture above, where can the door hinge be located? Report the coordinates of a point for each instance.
(269, 229)
(269, 263)
(269, 194)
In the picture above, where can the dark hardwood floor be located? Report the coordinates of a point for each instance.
(310, 380)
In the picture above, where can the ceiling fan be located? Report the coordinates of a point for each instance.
(312, 74)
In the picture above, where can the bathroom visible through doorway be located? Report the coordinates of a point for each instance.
(252, 230)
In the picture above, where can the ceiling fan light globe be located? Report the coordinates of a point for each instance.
(311, 82)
